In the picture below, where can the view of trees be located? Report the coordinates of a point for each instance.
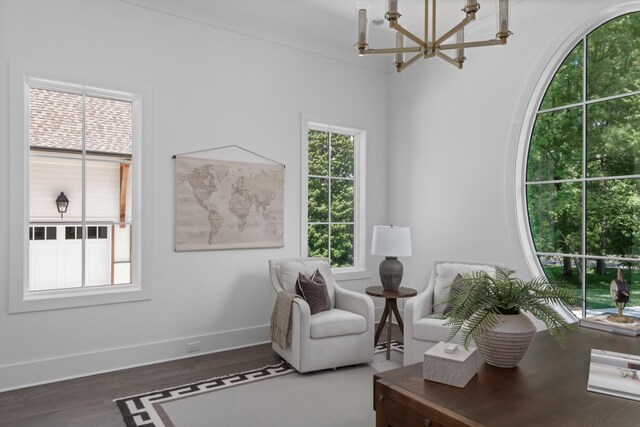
(331, 203)
(584, 157)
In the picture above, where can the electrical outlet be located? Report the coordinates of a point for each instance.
(192, 347)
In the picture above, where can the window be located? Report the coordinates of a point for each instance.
(42, 233)
(71, 233)
(583, 166)
(83, 142)
(334, 211)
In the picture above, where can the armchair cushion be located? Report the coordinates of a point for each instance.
(430, 329)
(455, 285)
(445, 274)
(289, 271)
(336, 322)
(314, 291)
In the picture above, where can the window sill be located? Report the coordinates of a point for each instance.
(41, 301)
(346, 274)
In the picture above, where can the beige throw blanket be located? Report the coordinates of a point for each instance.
(281, 319)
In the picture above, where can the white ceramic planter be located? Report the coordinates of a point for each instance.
(507, 342)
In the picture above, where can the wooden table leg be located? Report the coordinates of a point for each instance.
(383, 320)
(389, 302)
(394, 307)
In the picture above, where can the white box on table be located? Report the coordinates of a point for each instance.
(455, 368)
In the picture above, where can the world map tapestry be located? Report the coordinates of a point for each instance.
(222, 204)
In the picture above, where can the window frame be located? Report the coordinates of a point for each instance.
(20, 298)
(359, 132)
(531, 111)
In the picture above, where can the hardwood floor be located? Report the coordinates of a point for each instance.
(88, 401)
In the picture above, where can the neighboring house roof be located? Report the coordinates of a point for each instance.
(55, 122)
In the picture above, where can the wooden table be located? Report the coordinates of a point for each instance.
(390, 308)
(548, 388)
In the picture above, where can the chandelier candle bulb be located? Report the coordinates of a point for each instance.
(460, 51)
(392, 6)
(471, 7)
(361, 9)
(399, 45)
(502, 8)
(392, 14)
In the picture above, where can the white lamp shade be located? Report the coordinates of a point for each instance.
(391, 241)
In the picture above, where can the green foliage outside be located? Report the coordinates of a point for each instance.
(331, 197)
(612, 129)
(598, 285)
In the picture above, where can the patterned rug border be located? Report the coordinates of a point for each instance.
(139, 410)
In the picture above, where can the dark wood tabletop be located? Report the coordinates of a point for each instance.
(379, 291)
(548, 388)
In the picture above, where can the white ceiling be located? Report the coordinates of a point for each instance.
(327, 27)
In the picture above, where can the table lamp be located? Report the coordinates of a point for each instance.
(391, 242)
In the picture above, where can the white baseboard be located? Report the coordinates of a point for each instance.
(35, 372)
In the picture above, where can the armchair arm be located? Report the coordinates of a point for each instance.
(300, 333)
(355, 303)
(301, 320)
(419, 306)
(414, 309)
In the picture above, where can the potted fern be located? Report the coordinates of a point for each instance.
(489, 309)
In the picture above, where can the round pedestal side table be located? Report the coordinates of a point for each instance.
(390, 309)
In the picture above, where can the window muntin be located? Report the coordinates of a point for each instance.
(80, 143)
(582, 191)
(333, 224)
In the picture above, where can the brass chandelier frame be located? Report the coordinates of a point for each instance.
(431, 46)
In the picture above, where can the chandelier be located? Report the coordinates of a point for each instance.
(431, 46)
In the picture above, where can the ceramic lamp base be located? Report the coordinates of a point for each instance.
(391, 273)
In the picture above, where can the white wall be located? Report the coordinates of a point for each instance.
(210, 88)
(455, 134)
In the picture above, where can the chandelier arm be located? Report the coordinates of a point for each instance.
(411, 61)
(392, 50)
(492, 42)
(446, 36)
(449, 59)
(408, 34)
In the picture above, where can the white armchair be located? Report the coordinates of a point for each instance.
(337, 337)
(420, 332)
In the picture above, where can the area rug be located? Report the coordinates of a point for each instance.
(340, 397)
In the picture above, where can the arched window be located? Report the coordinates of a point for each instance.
(583, 166)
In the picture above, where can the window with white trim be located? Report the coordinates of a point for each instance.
(334, 218)
(80, 142)
(583, 167)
